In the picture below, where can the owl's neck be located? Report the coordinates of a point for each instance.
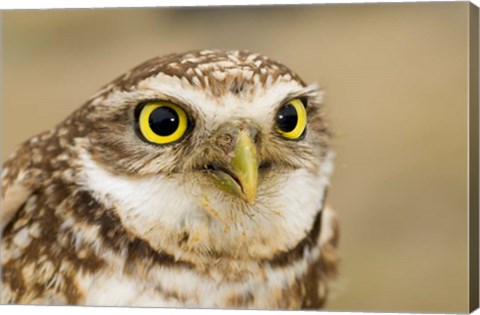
(173, 221)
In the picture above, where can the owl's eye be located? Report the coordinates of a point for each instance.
(291, 119)
(162, 122)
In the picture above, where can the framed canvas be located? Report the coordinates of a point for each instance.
(319, 156)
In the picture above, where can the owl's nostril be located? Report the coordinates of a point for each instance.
(227, 138)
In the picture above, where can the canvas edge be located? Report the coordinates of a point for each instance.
(473, 63)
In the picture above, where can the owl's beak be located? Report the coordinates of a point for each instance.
(241, 175)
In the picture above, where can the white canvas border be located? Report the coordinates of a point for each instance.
(48, 4)
(77, 310)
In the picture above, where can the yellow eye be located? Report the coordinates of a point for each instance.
(292, 119)
(162, 122)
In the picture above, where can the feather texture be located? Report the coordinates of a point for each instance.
(94, 215)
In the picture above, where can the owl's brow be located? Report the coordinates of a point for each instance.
(310, 93)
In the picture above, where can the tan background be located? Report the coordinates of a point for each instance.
(396, 82)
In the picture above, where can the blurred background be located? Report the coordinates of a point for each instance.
(395, 77)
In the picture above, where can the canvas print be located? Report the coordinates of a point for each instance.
(270, 157)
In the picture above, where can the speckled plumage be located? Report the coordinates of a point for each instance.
(91, 214)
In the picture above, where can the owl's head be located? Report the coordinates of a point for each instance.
(209, 152)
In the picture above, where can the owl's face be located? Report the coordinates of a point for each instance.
(209, 152)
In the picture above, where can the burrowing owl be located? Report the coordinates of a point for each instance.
(196, 179)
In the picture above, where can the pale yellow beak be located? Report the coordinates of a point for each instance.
(241, 176)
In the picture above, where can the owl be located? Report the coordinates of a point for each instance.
(196, 179)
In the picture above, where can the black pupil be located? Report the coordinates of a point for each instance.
(287, 118)
(164, 121)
